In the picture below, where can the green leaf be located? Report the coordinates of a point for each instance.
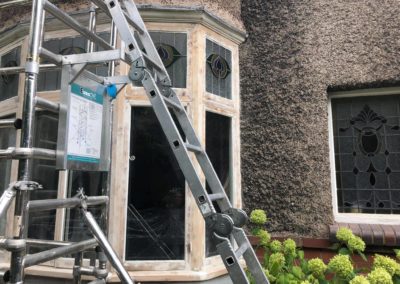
(301, 254)
(396, 279)
(344, 251)
(297, 272)
(362, 255)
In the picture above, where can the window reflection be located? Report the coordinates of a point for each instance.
(156, 200)
(41, 224)
(218, 133)
(93, 184)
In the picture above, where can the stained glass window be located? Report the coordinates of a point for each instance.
(172, 48)
(367, 154)
(9, 83)
(218, 70)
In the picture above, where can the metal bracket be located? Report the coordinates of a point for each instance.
(137, 71)
(27, 185)
(238, 216)
(221, 224)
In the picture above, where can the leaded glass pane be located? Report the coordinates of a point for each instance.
(156, 199)
(172, 48)
(367, 154)
(41, 224)
(218, 148)
(218, 70)
(51, 80)
(9, 83)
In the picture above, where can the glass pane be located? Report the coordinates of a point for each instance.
(156, 199)
(172, 47)
(367, 152)
(51, 80)
(218, 148)
(9, 83)
(93, 184)
(41, 224)
(218, 70)
(7, 139)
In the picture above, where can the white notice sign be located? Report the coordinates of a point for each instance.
(85, 125)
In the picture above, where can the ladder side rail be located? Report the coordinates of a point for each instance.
(103, 7)
(125, 32)
(147, 42)
(177, 145)
(128, 37)
(202, 157)
(250, 257)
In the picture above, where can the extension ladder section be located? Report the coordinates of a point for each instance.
(148, 70)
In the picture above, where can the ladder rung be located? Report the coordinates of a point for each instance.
(193, 148)
(241, 250)
(216, 196)
(172, 104)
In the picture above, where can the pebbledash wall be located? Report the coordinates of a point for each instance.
(297, 54)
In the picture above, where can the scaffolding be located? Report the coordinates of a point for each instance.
(80, 86)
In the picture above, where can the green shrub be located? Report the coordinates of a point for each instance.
(284, 263)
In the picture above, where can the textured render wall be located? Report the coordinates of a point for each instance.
(227, 10)
(296, 50)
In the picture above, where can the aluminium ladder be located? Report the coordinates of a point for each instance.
(148, 70)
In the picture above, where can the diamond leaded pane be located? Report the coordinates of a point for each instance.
(367, 154)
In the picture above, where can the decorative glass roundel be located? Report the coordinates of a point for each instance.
(219, 66)
(168, 54)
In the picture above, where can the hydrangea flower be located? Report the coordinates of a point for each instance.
(277, 259)
(258, 217)
(390, 265)
(305, 282)
(264, 236)
(317, 267)
(356, 243)
(275, 246)
(359, 280)
(342, 266)
(379, 276)
(344, 234)
(289, 247)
